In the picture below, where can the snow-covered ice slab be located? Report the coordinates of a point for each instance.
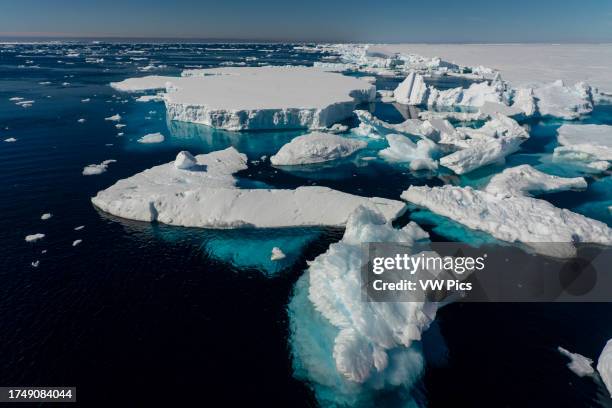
(604, 366)
(249, 98)
(205, 196)
(567, 102)
(591, 144)
(316, 147)
(371, 125)
(515, 218)
(525, 180)
(350, 349)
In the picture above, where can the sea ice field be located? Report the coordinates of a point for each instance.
(188, 217)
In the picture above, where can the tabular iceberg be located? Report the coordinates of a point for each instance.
(515, 218)
(205, 196)
(350, 349)
(316, 147)
(249, 98)
(591, 144)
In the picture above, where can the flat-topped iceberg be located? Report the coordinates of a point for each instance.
(346, 348)
(515, 218)
(248, 98)
(316, 147)
(567, 102)
(205, 195)
(591, 144)
(604, 366)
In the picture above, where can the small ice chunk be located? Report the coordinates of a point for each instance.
(35, 264)
(94, 169)
(85, 100)
(76, 242)
(81, 120)
(34, 237)
(579, 364)
(10, 140)
(316, 147)
(152, 138)
(524, 179)
(80, 227)
(184, 160)
(46, 216)
(114, 118)
(277, 254)
(419, 154)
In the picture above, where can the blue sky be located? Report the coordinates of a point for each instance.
(318, 20)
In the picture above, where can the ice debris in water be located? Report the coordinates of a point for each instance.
(588, 144)
(152, 138)
(46, 216)
(419, 155)
(114, 118)
(277, 254)
(34, 237)
(579, 364)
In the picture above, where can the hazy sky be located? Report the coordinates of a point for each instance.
(334, 20)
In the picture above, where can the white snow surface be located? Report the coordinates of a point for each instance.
(515, 218)
(246, 98)
(567, 102)
(579, 364)
(604, 366)
(205, 196)
(316, 147)
(524, 64)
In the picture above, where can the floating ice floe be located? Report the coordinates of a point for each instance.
(277, 254)
(10, 140)
(567, 102)
(488, 144)
(589, 144)
(604, 366)
(271, 97)
(114, 118)
(579, 364)
(419, 155)
(94, 169)
(316, 147)
(205, 196)
(76, 242)
(34, 237)
(85, 100)
(346, 348)
(46, 216)
(513, 217)
(150, 98)
(80, 227)
(152, 138)
(35, 264)
(81, 120)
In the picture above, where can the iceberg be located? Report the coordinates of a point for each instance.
(591, 144)
(525, 180)
(604, 366)
(566, 102)
(114, 118)
(419, 155)
(277, 254)
(515, 217)
(46, 216)
(579, 364)
(206, 196)
(152, 138)
(316, 147)
(10, 140)
(412, 90)
(34, 237)
(475, 96)
(249, 98)
(347, 349)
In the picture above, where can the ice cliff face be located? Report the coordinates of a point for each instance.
(251, 98)
(346, 348)
(509, 215)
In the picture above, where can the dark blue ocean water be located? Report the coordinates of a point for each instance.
(142, 313)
